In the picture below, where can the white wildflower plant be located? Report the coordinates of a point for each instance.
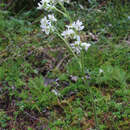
(72, 31)
(70, 36)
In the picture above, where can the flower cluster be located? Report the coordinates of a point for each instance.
(77, 46)
(47, 24)
(49, 5)
(72, 32)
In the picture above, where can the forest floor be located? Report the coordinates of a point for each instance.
(41, 84)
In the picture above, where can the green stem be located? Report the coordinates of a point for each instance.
(66, 12)
(93, 104)
(82, 62)
(70, 49)
(94, 110)
(61, 12)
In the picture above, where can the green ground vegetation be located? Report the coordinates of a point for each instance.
(41, 85)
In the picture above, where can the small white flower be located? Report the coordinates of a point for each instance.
(47, 30)
(77, 37)
(44, 21)
(46, 4)
(42, 3)
(100, 71)
(49, 5)
(46, 25)
(69, 33)
(52, 18)
(77, 43)
(85, 45)
(78, 25)
(76, 46)
(40, 6)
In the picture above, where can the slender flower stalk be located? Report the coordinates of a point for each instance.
(66, 12)
(70, 49)
(61, 12)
